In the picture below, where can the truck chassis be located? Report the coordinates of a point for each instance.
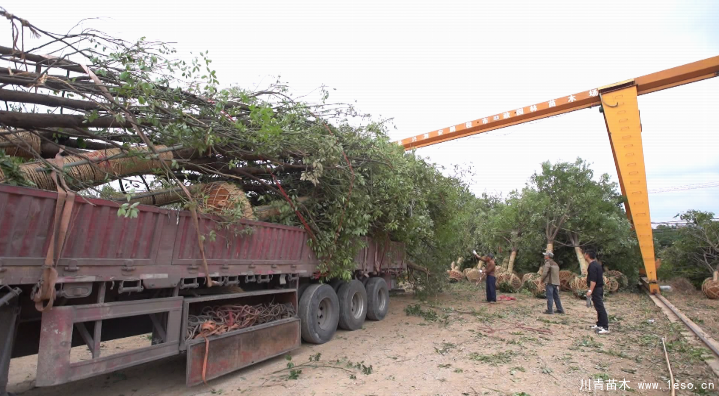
(120, 277)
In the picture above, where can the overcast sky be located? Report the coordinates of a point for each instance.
(429, 65)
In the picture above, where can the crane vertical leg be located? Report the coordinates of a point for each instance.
(621, 114)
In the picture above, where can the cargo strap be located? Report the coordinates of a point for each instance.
(45, 288)
(207, 329)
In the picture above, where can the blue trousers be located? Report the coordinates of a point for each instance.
(553, 297)
(491, 288)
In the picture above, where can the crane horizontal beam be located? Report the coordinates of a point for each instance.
(664, 79)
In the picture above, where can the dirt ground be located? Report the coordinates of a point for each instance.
(454, 345)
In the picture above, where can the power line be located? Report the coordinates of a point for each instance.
(685, 187)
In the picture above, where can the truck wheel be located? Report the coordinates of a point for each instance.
(319, 313)
(336, 283)
(353, 305)
(377, 299)
(301, 289)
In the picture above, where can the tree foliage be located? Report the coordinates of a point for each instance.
(566, 207)
(509, 224)
(138, 97)
(694, 253)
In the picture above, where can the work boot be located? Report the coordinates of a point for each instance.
(548, 312)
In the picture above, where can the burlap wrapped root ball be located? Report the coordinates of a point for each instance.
(225, 198)
(526, 276)
(508, 282)
(620, 277)
(611, 284)
(473, 275)
(535, 285)
(565, 278)
(710, 287)
(579, 286)
(455, 275)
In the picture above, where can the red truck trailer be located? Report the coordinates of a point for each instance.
(119, 277)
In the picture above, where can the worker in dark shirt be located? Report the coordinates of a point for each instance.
(595, 282)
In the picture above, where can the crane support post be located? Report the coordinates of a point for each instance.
(621, 114)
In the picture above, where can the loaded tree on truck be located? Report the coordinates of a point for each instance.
(137, 196)
(228, 224)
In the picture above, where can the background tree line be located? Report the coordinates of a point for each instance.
(564, 208)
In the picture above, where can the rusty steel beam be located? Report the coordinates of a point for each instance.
(664, 79)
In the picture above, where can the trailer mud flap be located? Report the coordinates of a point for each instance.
(232, 351)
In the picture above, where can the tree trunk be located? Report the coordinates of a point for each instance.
(62, 64)
(505, 263)
(512, 256)
(264, 212)
(47, 100)
(39, 120)
(582, 262)
(162, 197)
(550, 246)
(102, 170)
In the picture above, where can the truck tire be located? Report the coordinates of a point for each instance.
(377, 299)
(353, 305)
(319, 311)
(336, 283)
(301, 290)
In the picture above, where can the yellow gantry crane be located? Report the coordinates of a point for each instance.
(621, 116)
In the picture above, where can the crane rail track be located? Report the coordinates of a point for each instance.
(698, 331)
